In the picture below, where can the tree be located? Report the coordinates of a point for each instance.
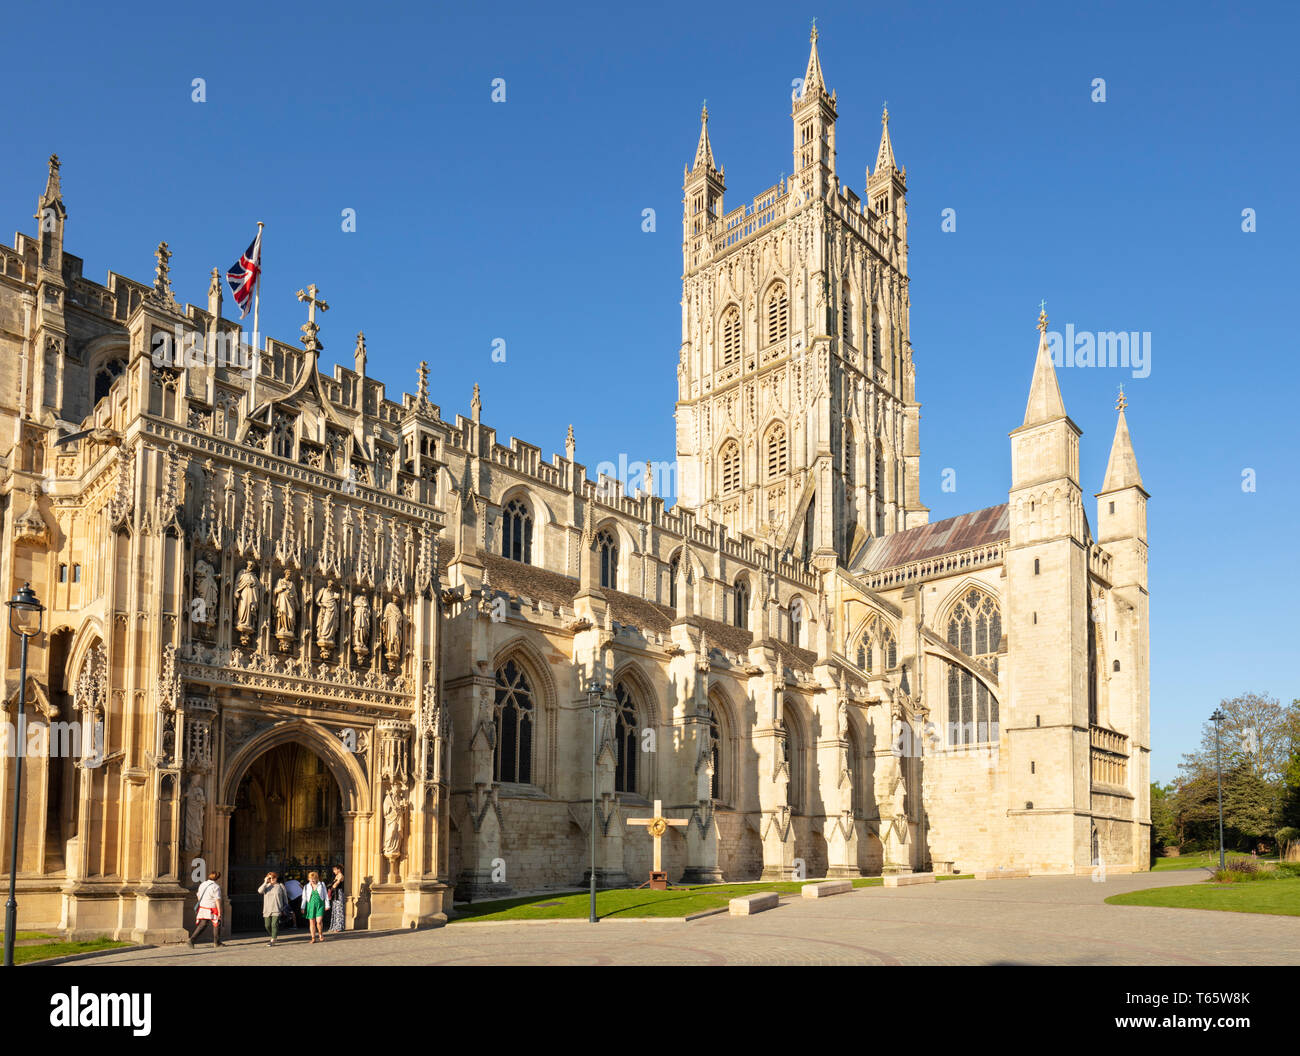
(1250, 808)
(1163, 828)
(1257, 732)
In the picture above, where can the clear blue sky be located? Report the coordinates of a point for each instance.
(522, 221)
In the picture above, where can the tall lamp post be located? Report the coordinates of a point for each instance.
(25, 613)
(595, 696)
(1217, 718)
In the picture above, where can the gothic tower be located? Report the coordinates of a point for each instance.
(1046, 716)
(796, 413)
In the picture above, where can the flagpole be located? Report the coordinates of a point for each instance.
(257, 348)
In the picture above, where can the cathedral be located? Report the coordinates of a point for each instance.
(296, 620)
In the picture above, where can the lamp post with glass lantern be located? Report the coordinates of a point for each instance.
(25, 613)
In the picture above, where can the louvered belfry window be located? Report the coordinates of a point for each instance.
(730, 336)
(730, 459)
(778, 314)
(776, 452)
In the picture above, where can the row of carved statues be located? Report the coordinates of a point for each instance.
(286, 607)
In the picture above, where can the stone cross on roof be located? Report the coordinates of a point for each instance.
(309, 328)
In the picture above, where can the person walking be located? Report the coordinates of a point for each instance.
(315, 903)
(338, 901)
(275, 900)
(208, 912)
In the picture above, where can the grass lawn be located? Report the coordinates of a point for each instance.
(1274, 896)
(32, 946)
(625, 903)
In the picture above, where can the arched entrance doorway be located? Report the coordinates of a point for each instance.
(288, 817)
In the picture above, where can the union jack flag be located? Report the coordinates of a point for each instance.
(243, 274)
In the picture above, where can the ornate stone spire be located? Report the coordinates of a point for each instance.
(422, 392)
(885, 155)
(162, 283)
(812, 78)
(214, 294)
(475, 404)
(359, 353)
(1045, 403)
(570, 445)
(704, 151)
(1122, 467)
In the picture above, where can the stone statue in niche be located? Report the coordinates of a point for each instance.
(195, 808)
(207, 593)
(392, 626)
(327, 618)
(287, 605)
(361, 625)
(248, 594)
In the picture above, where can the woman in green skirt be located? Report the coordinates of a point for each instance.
(315, 904)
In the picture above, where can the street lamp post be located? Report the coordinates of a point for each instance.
(1217, 718)
(595, 693)
(25, 621)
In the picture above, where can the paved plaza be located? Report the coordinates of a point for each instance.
(1040, 920)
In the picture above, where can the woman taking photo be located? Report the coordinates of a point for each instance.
(275, 900)
(338, 902)
(315, 903)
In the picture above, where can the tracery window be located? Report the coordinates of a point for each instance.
(608, 548)
(513, 715)
(517, 532)
(627, 737)
(778, 314)
(742, 604)
(846, 314)
(877, 647)
(674, 566)
(975, 627)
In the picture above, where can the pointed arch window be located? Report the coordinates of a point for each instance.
(627, 727)
(792, 752)
(513, 716)
(729, 461)
(877, 647)
(674, 566)
(875, 340)
(742, 604)
(730, 335)
(778, 314)
(717, 749)
(975, 627)
(846, 313)
(777, 452)
(796, 620)
(608, 547)
(517, 532)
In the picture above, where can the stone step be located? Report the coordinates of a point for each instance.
(827, 888)
(908, 879)
(1018, 873)
(747, 905)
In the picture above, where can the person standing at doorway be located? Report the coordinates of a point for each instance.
(338, 901)
(315, 903)
(275, 900)
(208, 912)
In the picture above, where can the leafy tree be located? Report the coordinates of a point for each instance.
(1257, 732)
(1163, 828)
(1250, 808)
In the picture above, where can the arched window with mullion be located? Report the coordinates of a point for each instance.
(608, 547)
(513, 715)
(974, 627)
(730, 336)
(517, 532)
(729, 468)
(778, 314)
(627, 733)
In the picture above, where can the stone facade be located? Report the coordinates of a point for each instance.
(242, 555)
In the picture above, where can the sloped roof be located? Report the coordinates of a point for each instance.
(978, 528)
